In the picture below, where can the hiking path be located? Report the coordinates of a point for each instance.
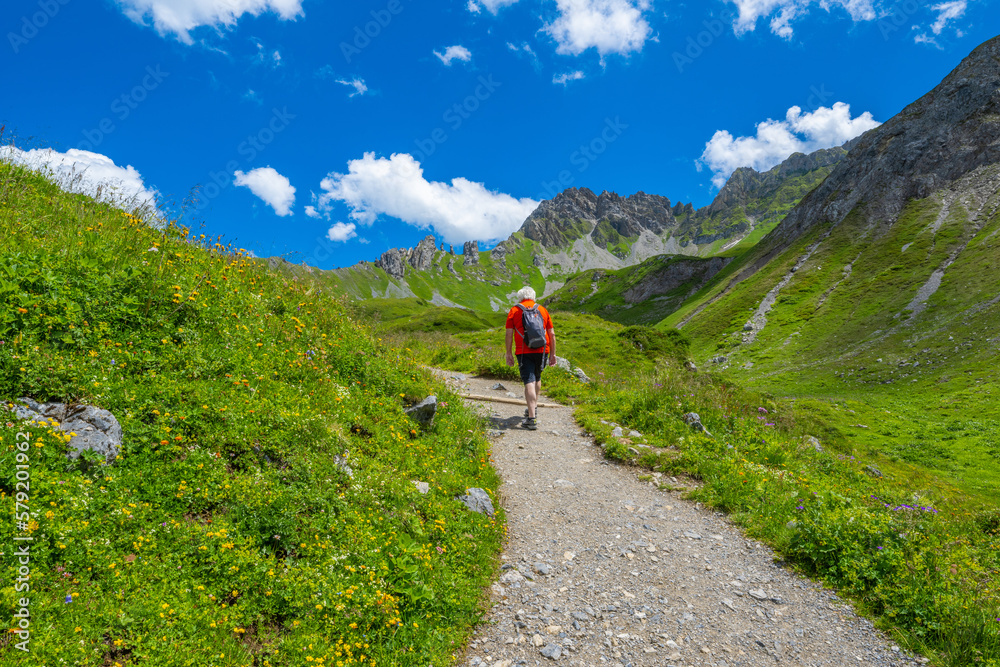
(603, 568)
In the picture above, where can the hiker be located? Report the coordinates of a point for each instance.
(536, 344)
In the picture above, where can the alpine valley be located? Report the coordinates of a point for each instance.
(864, 274)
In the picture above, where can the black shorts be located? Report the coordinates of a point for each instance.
(531, 366)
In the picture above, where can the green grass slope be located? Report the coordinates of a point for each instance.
(844, 329)
(643, 294)
(227, 532)
(482, 287)
(417, 315)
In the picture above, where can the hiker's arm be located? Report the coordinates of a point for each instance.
(552, 346)
(508, 343)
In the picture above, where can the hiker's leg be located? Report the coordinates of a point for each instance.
(531, 397)
(538, 383)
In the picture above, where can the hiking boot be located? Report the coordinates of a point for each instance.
(530, 424)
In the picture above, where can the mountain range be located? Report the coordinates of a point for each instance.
(869, 261)
(579, 230)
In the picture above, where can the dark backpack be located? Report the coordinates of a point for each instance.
(534, 326)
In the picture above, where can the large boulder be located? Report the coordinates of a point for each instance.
(95, 430)
(424, 411)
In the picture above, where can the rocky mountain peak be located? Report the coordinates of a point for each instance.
(746, 183)
(422, 257)
(471, 253)
(947, 133)
(394, 260)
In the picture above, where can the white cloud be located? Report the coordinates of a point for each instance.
(252, 96)
(946, 13)
(775, 140)
(87, 173)
(492, 6)
(783, 12)
(312, 212)
(610, 26)
(274, 189)
(357, 84)
(395, 186)
(525, 50)
(525, 47)
(180, 17)
(566, 77)
(456, 52)
(341, 232)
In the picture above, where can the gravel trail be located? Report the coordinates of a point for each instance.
(602, 568)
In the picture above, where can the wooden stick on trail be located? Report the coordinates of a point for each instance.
(512, 401)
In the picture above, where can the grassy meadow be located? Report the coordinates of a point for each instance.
(262, 510)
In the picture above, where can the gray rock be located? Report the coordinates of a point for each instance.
(694, 421)
(758, 594)
(690, 366)
(393, 262)
(690, 534)
(422, 487)
(477, 500)
(422, 257)
(424, 411)
(617, 433)
(813, 442)
(513, 578)
(576, 371)
(96, 430)
(872, 471)
(542, 568)
(498, 387)
(634, 434)
(719, 360)
(580, 616)
(552, 651)
(471, 253)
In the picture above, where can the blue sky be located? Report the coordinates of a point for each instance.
(329, 132)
